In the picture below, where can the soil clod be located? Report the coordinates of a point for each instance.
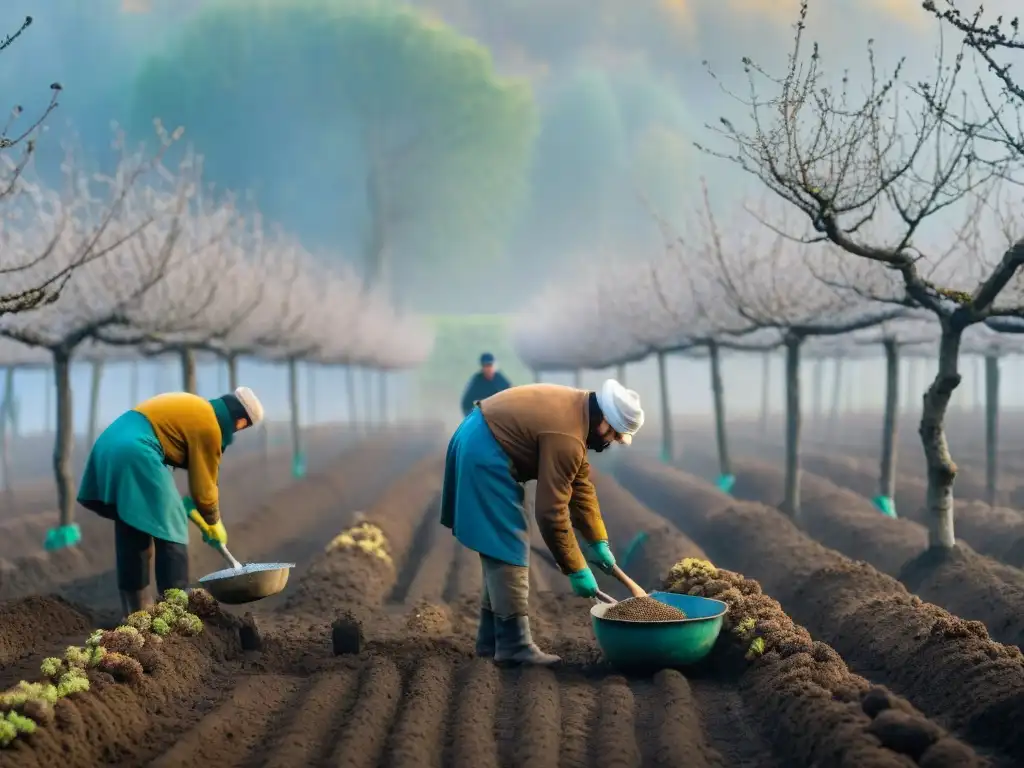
(346, 635)
(249, 634)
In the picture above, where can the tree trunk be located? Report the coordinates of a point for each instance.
(232, 363)
(298, 456)
(353, 404)
(536, 376)
(6, 418)
(836, 406)
(65, 442)
(577, 378)
(791, 502)
(766, 390)
(725, 475)
(976, 390)
(311, 393)
(48, 402)
(382, 396)
(221, 374)
(850, 388)
(188, 370)
(620, 374)
(818, 392)
(885, 501)
(133, 385)
(667, 447)
(95, 382)
(368, 396)
(914, 384)
(941, 469)
(991, 427)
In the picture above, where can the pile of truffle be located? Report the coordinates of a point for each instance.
(643, 609)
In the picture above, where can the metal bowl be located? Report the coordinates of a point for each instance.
(251, 582)
(649, 645)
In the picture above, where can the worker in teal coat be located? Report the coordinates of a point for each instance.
(128, 479)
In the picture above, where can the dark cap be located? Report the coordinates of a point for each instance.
(486, 359)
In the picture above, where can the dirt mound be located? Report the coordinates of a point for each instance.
(28, 620)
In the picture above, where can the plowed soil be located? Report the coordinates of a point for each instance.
(412, 694)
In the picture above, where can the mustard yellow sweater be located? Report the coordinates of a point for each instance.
(190, 434)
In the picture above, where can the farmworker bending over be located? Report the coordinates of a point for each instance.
(535, 432)
(128, 479)
(484, 383)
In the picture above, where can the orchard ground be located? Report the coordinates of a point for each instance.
(854, 669)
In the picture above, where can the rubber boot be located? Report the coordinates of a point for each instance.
(514, 644)
(135, 601)
(485, 634)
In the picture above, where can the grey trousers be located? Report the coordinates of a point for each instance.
(506, 588)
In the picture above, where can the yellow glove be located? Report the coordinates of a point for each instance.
(212, 534)
(215, 535)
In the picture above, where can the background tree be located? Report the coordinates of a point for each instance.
(867, 172)
(390, 125)
(135, 229)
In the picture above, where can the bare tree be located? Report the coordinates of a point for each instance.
(995, 43)
(777, 289)
(867, 172)
(111, 213)
(913, 332)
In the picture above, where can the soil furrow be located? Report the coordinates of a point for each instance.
(418, 739)
(727, 727)
(474, 705)
(505, 714)
(680, 733)
(363, 741)
(436, 563)
(579, 712)
(226, 736)
(428, 535)
(319, 714)
(538, 718)
(614, 739)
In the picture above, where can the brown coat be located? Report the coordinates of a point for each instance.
(543, 429)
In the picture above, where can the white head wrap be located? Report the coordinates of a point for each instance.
(621, 408)
(251, 403)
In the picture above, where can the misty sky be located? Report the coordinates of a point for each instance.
(95, 48)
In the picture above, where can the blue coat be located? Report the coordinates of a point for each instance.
(480, 499)
(480, 388)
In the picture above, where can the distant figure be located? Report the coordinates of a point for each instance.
(485, 382)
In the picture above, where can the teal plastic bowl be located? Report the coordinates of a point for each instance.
(639, 645)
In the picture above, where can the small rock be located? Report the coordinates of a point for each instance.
(949, 753)
(346, 635)
(875, 701)
(904, 733)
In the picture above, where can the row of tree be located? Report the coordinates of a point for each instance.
(148, 260)
(868, 170)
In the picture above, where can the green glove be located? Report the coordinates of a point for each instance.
(583, 583)
(600, 554)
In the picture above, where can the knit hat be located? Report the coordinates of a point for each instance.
(621, 409)
(252, 405)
